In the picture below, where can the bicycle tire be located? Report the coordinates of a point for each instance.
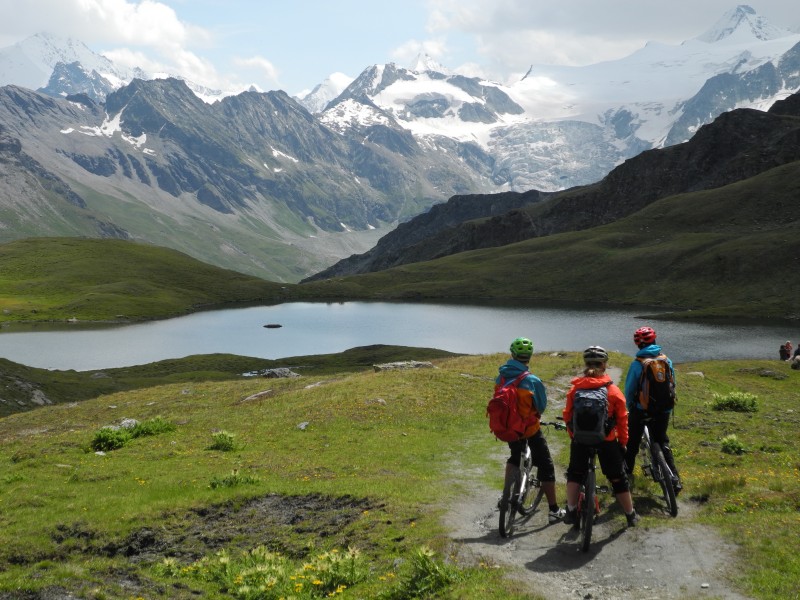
(587, 512)
(663, 480)
(526, 510)
(508, 510)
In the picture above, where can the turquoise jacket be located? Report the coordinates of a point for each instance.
(513, 369)
(635, 375)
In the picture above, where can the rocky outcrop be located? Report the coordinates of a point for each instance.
(403, 365)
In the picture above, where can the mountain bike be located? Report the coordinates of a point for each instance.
(520, 491)
(655, 466)
(588, 502)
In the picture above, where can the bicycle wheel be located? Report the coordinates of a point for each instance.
(508, 510)
(587, 511)
(529, 502)
(664, 479)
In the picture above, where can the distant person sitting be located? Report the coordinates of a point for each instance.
(786, 350)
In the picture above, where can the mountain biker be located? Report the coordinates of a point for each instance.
(645, 338)
(532, 400)
(610, 452)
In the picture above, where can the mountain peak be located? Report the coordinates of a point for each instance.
(742, 23)
(425, 62)
(31, 61)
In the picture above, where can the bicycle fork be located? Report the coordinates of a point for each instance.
(582, 499)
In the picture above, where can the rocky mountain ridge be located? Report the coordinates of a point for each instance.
(258, 183)
(280, 193)
(736, 146)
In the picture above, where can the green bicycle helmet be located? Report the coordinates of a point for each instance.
(595, 354)
(521, 348)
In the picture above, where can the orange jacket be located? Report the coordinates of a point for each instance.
(616, 405)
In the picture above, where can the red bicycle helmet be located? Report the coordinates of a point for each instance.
(644, 335)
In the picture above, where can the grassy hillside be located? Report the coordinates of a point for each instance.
(26, 388)
(339, 479)
(728, 252)
(100, 280)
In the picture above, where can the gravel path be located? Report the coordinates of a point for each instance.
(660, 559)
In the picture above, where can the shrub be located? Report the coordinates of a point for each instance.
(109, 438)
(112, 438)
(223, 441)
(736, 402)
(732, 445)
(152, 426)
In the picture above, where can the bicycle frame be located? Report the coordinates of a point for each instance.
(520, 493)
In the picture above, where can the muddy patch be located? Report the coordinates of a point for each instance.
(290, 525)
(285, 524)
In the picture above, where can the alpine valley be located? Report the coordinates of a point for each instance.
(284, 188)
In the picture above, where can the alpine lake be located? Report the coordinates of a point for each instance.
(308, 328)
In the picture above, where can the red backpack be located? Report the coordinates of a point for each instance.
(505, 422)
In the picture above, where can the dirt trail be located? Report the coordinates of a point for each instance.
(658, 559)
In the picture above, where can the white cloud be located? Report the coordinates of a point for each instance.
(497, 39)
(510, 35)
(146, 34)
(260, 64)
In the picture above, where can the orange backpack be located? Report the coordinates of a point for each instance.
(656, 385)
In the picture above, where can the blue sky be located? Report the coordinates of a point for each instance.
(295, 44)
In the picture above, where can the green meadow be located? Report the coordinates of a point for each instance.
(333, 484)
(60, 279)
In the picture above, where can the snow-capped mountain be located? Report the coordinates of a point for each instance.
(555, 128)
(318, 98)
(563, 126)
(31, 62)
(744, 22)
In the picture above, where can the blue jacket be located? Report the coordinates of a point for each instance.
(635, 375)
(513, 369)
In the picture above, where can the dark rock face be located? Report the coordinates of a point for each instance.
(71, 79)
(99, 165)
(439, 232)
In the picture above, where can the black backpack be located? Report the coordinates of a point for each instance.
(590, 422)
(656, 385)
